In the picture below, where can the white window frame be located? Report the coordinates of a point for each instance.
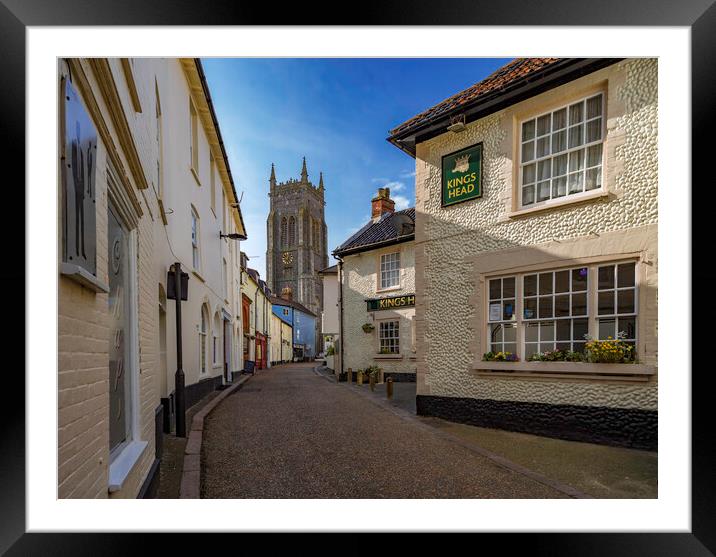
(127, 454)
(554, 319)
(592, 316)
(203, 339)
(395, 337)
(212, 181)
(503, 323)
(194, 140)
(225, 278)
(584, 146)
(616, 316)
(160, 145)
(195, 240)
(383, 271)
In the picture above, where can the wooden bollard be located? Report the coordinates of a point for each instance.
(350, 375)
(360, 377)
(371, 381)
(389, 387)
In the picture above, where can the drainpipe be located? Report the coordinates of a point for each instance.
(342, 340)
(256, 321)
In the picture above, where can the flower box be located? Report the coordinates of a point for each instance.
(638, 372)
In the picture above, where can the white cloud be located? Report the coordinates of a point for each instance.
(401, 202)
(408, 174)
(395, 186)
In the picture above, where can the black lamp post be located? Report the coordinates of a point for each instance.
(177, 289)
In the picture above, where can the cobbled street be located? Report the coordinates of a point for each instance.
(289, 433)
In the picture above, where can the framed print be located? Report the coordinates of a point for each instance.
(491, 331)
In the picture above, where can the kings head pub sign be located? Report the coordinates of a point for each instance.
(395, 302)
(462, 175)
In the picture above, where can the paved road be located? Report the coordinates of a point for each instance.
(289, 433)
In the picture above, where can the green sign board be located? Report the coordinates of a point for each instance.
(396, 302)
(462, 175)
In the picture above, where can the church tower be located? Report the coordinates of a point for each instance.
(297, 240)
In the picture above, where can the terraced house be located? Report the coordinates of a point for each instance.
(144, 183)
(377, 293)
(535, 233)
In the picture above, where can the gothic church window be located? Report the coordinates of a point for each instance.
(292, 231)
(283, 232)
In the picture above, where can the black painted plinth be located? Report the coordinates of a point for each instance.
(623, 427)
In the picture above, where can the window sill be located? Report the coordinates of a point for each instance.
(120, 468)
(566, 370)
(83, 277)
(391, 289)
(387, 356)
(597, 194)
(196, 175)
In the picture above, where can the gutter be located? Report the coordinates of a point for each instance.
(367, 247)
(538, 82)
(341, 339)
(207, 94)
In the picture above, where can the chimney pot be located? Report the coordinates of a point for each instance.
(382, 204)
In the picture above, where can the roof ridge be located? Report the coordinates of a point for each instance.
(489, 83)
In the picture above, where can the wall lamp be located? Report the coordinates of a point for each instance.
(457, 123)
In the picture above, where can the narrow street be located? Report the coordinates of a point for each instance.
(289, 433)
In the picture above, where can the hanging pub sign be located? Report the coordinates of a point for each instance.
(79, 168)
(395, 302)
(462, 175)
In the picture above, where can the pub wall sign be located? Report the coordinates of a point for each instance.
(462, 175)
(394, 302)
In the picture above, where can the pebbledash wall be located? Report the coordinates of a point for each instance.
(360, 282)
(459, 247)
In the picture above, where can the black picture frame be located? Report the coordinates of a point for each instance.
(16, 15)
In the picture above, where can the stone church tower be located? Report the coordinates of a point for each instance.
(297, 240)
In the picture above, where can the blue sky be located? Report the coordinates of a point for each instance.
(336, 112)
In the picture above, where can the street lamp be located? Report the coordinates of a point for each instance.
(232, 236)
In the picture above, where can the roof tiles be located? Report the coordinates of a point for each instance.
(500, 79)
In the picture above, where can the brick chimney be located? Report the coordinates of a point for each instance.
(381, 204)
(287, 293)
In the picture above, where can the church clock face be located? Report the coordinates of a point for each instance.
(287, 257)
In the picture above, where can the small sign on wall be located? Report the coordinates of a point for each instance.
(462, 175)
(394, 302)
(79, 169)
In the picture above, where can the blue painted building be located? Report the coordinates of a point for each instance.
(303, 322)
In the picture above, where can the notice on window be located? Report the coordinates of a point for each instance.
(495, 312)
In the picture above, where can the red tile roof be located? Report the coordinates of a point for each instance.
(500, 79)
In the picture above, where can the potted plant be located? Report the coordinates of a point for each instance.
(610, 351)
(557, 356)
(374, 374)
(499, 357)
(368, 327)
